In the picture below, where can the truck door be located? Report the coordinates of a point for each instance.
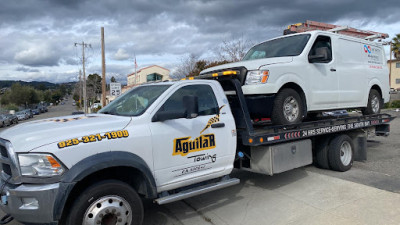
(323, 81)
(192, 150)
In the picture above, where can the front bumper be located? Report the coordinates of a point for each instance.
(30, 203)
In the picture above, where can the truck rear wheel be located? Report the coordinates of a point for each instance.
(340, 153)
(374, 103)
(105, 203)
(321, 154)
(288, 107)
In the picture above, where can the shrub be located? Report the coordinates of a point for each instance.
(392, 104)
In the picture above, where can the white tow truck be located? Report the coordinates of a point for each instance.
(163, 141)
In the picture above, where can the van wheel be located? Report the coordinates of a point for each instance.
(374, 103)
(288, 107)
(107, 202)
(340, 153)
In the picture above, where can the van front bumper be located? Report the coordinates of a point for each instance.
(30, 203)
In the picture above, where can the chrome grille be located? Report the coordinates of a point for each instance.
(6, 162)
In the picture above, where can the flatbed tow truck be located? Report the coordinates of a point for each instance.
(174, 141)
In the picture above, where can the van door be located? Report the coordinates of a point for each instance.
(192, 150)
(323, 80)
(352, 72)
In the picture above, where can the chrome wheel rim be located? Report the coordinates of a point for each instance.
(375, 104)
(291, 109)
(108, 210)
(345, 153)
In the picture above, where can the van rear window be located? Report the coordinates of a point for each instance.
(281, 47)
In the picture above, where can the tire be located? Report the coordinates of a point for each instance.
(288, 107)
(341, 153)
(106, 202)
(374, 105)
(321, 153)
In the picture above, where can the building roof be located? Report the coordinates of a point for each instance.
(147, 68)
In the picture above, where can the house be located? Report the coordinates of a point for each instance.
(394, 68)
(148, 74)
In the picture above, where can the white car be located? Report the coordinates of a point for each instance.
(22, 115)
(291, 76)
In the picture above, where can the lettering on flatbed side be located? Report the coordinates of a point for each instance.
(184, 146)
(335, 128)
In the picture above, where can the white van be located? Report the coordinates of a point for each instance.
(306, 73)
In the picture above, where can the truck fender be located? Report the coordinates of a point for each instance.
(96, 163)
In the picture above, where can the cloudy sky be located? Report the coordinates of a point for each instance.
(37, 36)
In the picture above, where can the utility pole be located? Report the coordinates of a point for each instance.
(390, 65)
(80, 89)
(84, 45)
(103, 69)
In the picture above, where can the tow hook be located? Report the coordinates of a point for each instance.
(6, 219)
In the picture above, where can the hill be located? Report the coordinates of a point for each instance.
(35, 84)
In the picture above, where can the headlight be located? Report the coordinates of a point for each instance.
(39, 165)
(257, 76)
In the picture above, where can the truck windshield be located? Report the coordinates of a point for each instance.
(286, 46)
(136, 101)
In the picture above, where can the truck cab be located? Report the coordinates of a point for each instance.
(159, 136)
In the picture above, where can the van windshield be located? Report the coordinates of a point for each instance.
(136, 101)
(286, 46)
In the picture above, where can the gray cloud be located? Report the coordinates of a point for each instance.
(25, 69)
(41, 33)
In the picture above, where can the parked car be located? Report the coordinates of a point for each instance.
(288, 77)
(35, 111)
(21, 115)
(4, 121)
(13, 118)
(96, 105)
(28, 112)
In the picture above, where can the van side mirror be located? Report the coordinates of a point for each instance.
(190, 104)
(321, 54)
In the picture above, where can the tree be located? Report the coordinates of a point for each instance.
(113, 79)
(396, 46)
(93, 86)
(187, 65)
(233, 50)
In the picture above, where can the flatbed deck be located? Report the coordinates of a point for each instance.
(252, 134)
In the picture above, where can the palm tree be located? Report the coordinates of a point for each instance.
(396, 46)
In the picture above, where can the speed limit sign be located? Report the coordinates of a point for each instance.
(115, 89)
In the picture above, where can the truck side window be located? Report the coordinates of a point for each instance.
(207, 102)
(322, 42)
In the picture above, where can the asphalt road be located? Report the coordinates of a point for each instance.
(381, 171)
(382, 168)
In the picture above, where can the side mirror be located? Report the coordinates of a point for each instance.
(321, 55)
(190, 104)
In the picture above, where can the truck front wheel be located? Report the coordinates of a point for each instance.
(288, 107)
(107, 202)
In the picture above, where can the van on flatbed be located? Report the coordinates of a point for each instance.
(295, 76)
(164, 141)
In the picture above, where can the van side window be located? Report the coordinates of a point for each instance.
(207, 102)
(322, 44)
